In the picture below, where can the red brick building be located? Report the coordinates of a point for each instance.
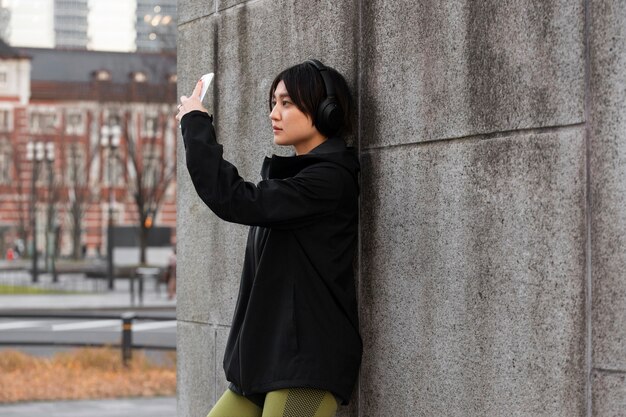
(77, 103)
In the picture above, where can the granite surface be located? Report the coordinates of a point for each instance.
(473, 277)
(609, 394)
(608, 183)
(440, 70)
(196, 368)
(191, 10)
(478, 136)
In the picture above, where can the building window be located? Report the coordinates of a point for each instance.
(140, 77)
(150, 126)
(5, 161)
(43, 173)
(75, 170)
(43, 121)
(3, 78)
(5, 120)
(117, 174)
(103, 75)
(151, 163)
(75, 124)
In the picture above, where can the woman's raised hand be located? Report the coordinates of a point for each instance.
(191, 103)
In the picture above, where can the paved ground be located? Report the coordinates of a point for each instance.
(88, 293)
(150, 407)
(92, 295)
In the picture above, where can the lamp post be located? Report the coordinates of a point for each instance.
(35, 154)
(50, 246)
(110, 139)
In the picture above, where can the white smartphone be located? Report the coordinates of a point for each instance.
(206, 81)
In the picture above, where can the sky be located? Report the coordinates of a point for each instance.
(31, 23)
(111, 24)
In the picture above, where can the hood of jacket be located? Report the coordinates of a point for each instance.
(333, 149)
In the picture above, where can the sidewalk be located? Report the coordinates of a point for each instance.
(87, 293)
(133, 407)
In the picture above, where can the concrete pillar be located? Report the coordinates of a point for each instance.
(246, 44)
(607, 162)
(492, 146)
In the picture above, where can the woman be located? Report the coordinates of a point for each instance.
(294, 347)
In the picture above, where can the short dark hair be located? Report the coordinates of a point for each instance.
(305, 86)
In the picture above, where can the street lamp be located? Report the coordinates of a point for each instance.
(110, 139)
(35, 154)
(50, 246)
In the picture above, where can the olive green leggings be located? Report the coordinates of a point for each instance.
(292, 402)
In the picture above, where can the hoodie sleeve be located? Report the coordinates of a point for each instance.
(279, 203)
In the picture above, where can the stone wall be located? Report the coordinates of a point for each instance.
(492, 142)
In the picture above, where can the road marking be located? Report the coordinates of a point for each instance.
(155, 325)
(85, 325)
(21, 325)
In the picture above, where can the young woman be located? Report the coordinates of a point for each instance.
(294, 347)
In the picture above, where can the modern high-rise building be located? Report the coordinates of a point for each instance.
(156, 25)
(111, 25)
(70, 23)
(5, 20)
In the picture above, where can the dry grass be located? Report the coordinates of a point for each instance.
(83, 374)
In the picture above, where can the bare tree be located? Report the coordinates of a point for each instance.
(149, 169)
(54, 187)
(20, 194)
(78, 160)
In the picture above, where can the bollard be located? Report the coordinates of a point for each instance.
(141, 289)
(127, 337)
(132, 288)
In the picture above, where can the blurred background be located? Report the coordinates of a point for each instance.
(87, 141)
(87, 189)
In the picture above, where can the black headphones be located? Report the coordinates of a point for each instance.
(329, 113)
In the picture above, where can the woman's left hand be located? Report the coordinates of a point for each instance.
(188, 104)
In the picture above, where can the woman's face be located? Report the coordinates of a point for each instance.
(290, 125)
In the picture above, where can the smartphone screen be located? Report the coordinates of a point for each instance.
(206, 81)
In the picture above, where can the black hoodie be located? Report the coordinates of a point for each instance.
(295, 323)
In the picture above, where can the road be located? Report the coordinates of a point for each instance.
(130, 407)
(160, 333)
(92, 330)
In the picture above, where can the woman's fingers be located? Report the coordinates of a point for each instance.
(188, 104)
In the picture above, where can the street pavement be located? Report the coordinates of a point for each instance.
(90, 295)
(135, 407)
(86, 293)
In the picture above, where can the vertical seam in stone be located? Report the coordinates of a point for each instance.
(215, 23)
(215, 393)
(588, 276)
(359, 85)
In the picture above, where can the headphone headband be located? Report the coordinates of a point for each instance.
(329, 113)
(328, 83)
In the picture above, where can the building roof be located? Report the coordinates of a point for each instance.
(67, 65)
(7, 51)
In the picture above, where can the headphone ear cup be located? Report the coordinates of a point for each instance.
(329, 116)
